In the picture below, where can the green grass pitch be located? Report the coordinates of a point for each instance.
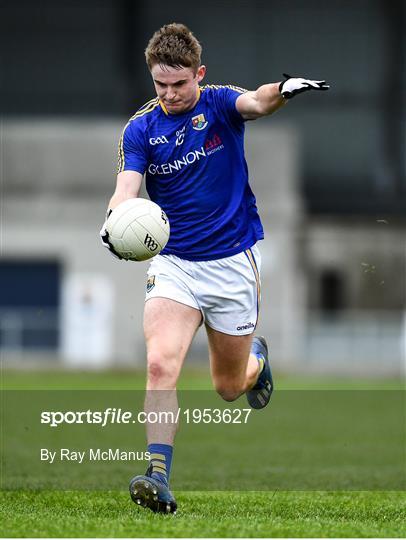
(50, 513)
(252, 514)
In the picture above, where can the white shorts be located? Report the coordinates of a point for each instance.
(226, 291)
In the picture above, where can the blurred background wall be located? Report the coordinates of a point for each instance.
(328, 171)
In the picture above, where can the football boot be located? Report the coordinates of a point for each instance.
(149, 493)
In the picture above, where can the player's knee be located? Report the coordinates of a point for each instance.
(155, 371)
(160, 371)
(229, 392)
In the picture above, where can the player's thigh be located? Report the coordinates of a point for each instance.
(228, 356)
(169, 328)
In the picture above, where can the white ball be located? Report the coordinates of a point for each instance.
(138, 229)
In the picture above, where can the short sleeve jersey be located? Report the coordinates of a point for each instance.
(195, 169)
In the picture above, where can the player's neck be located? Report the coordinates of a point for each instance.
(197, 97)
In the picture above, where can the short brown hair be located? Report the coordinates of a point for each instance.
(174, 45)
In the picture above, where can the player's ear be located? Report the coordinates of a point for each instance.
(201, 72)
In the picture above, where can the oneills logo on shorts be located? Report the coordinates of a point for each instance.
(199, 122)
(150, 283)
(246, 326)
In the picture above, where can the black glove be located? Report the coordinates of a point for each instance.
(104, 236)
(292, 86)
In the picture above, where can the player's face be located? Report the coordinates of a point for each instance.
(177, 88)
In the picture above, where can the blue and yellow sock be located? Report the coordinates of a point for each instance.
(261, 362)
(161, 461)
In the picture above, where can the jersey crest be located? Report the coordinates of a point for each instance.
(199, 122)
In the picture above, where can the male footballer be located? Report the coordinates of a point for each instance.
(189, 143)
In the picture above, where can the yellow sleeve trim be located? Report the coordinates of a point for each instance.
(145, 109)
(218, 86)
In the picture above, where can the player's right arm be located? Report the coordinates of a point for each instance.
(127, 187)
(131, 164)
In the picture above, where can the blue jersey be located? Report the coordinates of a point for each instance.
(196, 171)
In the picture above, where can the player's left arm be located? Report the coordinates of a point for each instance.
(261, 102)
(268, 98)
